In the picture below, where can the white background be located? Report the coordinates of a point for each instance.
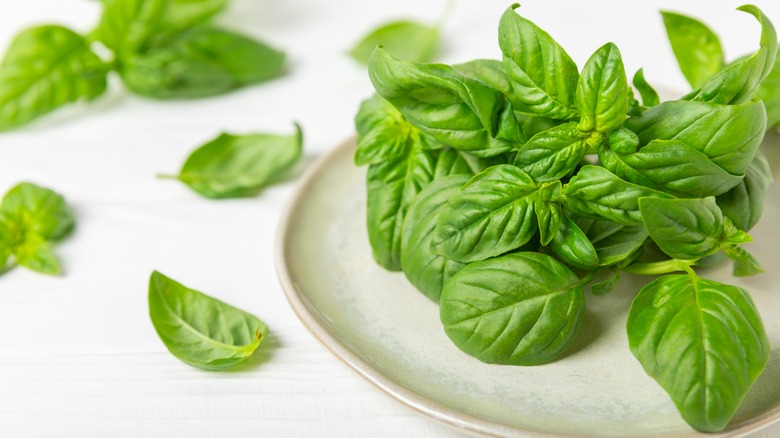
(78, 355)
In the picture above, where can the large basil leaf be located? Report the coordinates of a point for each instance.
(199, 62)
(688, 229)
(613, 242)
(454, 162)
(601, 91)
(427, 271)
(233, 166)
(181, 14)
(648, 93)
(738, 81)
(392, 186)
(517, 309)
(492, 214)
(407, 40)
(456, 110)
(744, 203)
(695, 46)
(553, 154)
(703, 342)
(200, 330)
(598, 193)
(127, 25)
(543, 76)
(44, 68)
(729, 135)
(572, 246)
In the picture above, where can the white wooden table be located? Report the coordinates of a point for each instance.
(78, 355)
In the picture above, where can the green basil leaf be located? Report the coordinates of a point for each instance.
(127, 25)
(44, 68)
(601, 91)
(729, 135)
(28, 209)
(232, 166)
(392, 186)
(615, 244)
(744, 203)
(452, 108)
(596, 192)
(182, 14)
(546, 88)
(547, 207)
(572, 246)
(745, 264)
(199, 330)
(35, 253)
(696, 47)
(492, 214)
(200, 62)
(703, 342)
(769, 93)
(517, 309)
(454, 162)
(648, 93)
(605, 286)
(670, 166)
(623, 141)
(7, 242)
(738, 81)
(407, 40)
(427, 271)
(553, 154)
(492, 73)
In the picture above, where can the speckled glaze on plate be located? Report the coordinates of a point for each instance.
(387, 332)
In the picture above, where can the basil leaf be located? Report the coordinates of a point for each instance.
(703, 342)
(452, 161)
(427, 271)
(182, 14)
(199, 330)
(614, 243)
(232, 166)
(126, 25)
(648, 93)
(29, 209)
(547, 207)
(517, 309)
(407, 40)
(200, 62)
(598, 193)
(696, 47)
(392, 186)
(44, 68)
(601, 91)
(670, 166)
(769, 93)
(729, 135)
(553, 154)
(745, 264)
(546, 88)
(738, 81)
(492, 214)
(572, 246)
(36, 254)
(605, 286)
(454, 109)
(744, 203)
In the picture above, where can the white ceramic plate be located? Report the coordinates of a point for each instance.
(387, 332)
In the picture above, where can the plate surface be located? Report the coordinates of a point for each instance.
(390, 334)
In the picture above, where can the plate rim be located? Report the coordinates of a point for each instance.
(419, 403)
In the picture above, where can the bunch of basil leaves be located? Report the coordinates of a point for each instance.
(503, 188)
(163, 49)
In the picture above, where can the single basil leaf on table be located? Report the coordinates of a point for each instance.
(454, 162)
(573, 247)
(738, 81)
(648, 93)
(392, 186)
(407, 40)
(744, 203)
(546, 88)
(601, 91)
(517, 309)
(427, 271)
(199, 62)
(553, 154)
(126, 26)
(181, 14)
(456, 110)
(703, 342)
(36, 254)
(745, 264)
(31, 209)
(696, 47)
(200, 330)
(45, 68)
(232, 166)
(769, 93)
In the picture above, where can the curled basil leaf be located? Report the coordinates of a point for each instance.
(614, 243)
(744, 203)
(648, 93)
(572, 246)
(696, 47)
(601, 91)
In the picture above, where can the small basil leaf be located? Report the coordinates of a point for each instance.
(769, 93)
(199, 330)
(454, 162)
(492, 214)
(744, 203)
(35, 253)
(392, 186)
(547, 207)
(47, 67)
(517, 309)
(232, 166)
(598, 193)
(623, 141)
(546, 88)
(456, 110)
(572, 246)
(605, 286)
(427, 271)
(407, 40)
(553, 154)
(648, 93)
(745, 264)
(182, 14)
(28, 209)
(615, 244)
(703, 342)
(126, 25)
(200, 62)
(492, 73)
(696, 47)
(601, 91)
